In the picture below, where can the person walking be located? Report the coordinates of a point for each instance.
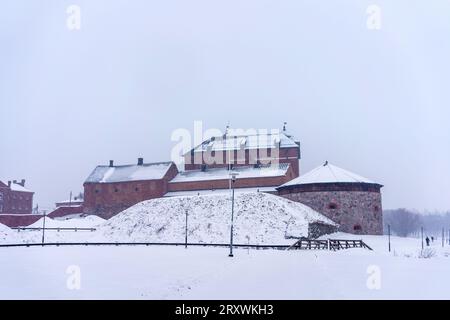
(427, 241)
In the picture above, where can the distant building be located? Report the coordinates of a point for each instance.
(68, 208)
(72, 202)
(111, 189)
(350, 200)
(15, 198)
(238, 150)
(263, 161)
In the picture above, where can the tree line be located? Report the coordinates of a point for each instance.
(404, 222)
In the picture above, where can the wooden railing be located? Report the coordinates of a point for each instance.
(53, 229)
(330, 244)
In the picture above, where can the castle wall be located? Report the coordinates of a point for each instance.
(357, 212)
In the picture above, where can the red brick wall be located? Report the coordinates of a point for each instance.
(65, 211)
(15, 220)
(249, 157)
(108, 199)
(240, 183)
(15, 202)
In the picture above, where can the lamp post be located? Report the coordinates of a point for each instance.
(186, 231)
(232, 181)
(43, 228)
(389, 237)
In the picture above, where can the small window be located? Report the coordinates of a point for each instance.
(376, 208)
(97, 191)
(136, 189)
(116, 190)
(332, 206)
(357, 227)
(1, 196)
(1, 208)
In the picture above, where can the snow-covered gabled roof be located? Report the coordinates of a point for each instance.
(18, 187)
(14, 186)
(327, 173)
(124, 173)
(224, 174)
(218, 191)
(250, 141)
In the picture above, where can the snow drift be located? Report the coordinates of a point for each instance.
(260, 218)
(6, 235)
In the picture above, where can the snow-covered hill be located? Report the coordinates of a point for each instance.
(7, 235)
(260, 218)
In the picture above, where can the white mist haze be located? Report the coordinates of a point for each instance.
(375, 102)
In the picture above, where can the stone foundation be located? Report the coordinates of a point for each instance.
(357, 212)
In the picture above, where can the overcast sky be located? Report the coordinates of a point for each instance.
(375, 102)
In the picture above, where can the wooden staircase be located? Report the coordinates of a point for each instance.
(330, 244)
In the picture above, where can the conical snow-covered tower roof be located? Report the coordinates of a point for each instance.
(328, 173)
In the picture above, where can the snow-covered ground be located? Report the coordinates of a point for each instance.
(165, 272)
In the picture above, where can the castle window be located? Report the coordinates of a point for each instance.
(116, 190)
(1, 196)
(332, 206)
(97, 191)
(376, 208)
(357, 227)
(136, 189)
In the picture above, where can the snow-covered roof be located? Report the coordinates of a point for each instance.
(327, 173)
(18, 187)
(223, 173)
(248, 141)
(217, 191)
(146, 171)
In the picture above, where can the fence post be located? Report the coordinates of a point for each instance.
(389, 237)
(186, 231)
(421, 235)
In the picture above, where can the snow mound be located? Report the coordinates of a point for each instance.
(260, 218)
(6, 235)
(78, 222)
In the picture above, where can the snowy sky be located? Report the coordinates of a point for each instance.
(375, 102)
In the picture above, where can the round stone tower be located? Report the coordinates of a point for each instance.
(350, 200)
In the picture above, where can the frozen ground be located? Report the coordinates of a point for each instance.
(208, 273)
(164, 272)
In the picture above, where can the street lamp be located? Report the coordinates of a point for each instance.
(232, 181)
(43, 228)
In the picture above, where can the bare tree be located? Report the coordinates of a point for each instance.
(402, 222)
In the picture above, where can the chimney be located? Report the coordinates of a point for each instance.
(9, 184)
(140, 161)
(111, 163)
(15, 181)
(22, 182)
